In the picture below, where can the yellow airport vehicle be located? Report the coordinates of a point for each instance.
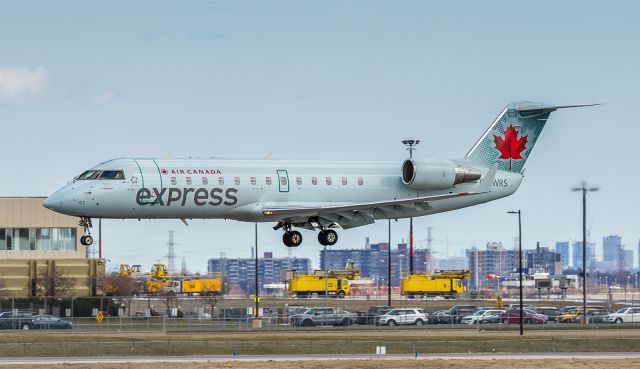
(303, 285)
(446, 283)
(127, 270)
(201, 286)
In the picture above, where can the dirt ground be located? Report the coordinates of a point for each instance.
(367, 364)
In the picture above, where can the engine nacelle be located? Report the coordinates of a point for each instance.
(436, 174)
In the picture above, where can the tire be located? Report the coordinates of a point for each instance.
(25, 326)
(419, 322)
(505, 321)
(307, 323)
(346, 322)
(619, 320)
(88, 240)
(391, 323)
(286, 239)
(529, 321)
(341, 294)
(331, 237)
(295, 238)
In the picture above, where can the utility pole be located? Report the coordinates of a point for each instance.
(171, 255)
(520, 267)
(584, 189)
(428, 255)
(411, 145)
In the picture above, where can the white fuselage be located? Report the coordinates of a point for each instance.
(240, 189)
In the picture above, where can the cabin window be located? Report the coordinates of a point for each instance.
(268, 181)
(189, 180)
(174, 181)
(360, 181)
(237, 181)
(314, 181)
(220, 180)
(205, 181)
(253, 181)
(112, 174)
(344, 181)
(298, 181)
(328, 181)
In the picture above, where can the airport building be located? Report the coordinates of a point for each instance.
(40, 252)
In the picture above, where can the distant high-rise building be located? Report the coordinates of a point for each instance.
(562, 248)
(495, 259)
(541, 259)
(628, 260)
(373, 261)
(240, 272)
(577, 255)
(610, 248)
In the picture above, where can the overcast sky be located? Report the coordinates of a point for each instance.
(86, 81)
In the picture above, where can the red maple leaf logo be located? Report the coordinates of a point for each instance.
(163, 171)
(510, 146)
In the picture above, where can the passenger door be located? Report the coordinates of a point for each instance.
(635, 315)
(148, 175)
(283, 180)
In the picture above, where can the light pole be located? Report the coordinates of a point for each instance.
(389, 270)
(584, 189)
(520, 266)
(411, 145)
(257, 284)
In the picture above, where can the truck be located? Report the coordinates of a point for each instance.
(334, 282)
(303, 285)
(323, 316)
(446, 283)
(200, 286)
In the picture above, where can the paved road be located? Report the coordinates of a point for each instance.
(226, 358)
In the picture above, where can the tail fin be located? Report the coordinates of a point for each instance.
(511, 137)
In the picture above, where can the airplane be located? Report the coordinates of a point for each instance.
(314, 195)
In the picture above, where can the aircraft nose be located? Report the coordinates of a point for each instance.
(52, 202)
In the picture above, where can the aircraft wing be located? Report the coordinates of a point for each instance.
(359, 214)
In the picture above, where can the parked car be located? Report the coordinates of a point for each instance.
(370, 317)
(593, 316)
(529, 317)
(48, 322)
(551, 312)
(9, 320)
(625, 315)
(573, 315)
(454, 314)
(323, 316)
(404, 317)
(483, 316)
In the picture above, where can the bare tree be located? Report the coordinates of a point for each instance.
(115, 284)
(54, 284)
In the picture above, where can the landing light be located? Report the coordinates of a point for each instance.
(267, 212)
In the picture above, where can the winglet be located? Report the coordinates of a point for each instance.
(487, 181)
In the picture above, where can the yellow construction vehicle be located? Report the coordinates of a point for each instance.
(201, 286)
(127, 270)
(446, 283)
(350, 272)
(158, 279)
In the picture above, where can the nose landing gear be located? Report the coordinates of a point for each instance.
(85, 223)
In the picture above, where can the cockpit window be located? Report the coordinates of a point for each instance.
(112, 174)
(89, 174)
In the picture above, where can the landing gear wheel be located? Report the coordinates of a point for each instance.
(86, 240)
(327, 237)
(292, 238)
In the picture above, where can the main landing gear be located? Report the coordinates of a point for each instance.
(86, 240)
(326, 237)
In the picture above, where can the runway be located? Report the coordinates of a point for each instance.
(250, 358)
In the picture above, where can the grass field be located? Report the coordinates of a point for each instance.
(396, 341)
(368, 364)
